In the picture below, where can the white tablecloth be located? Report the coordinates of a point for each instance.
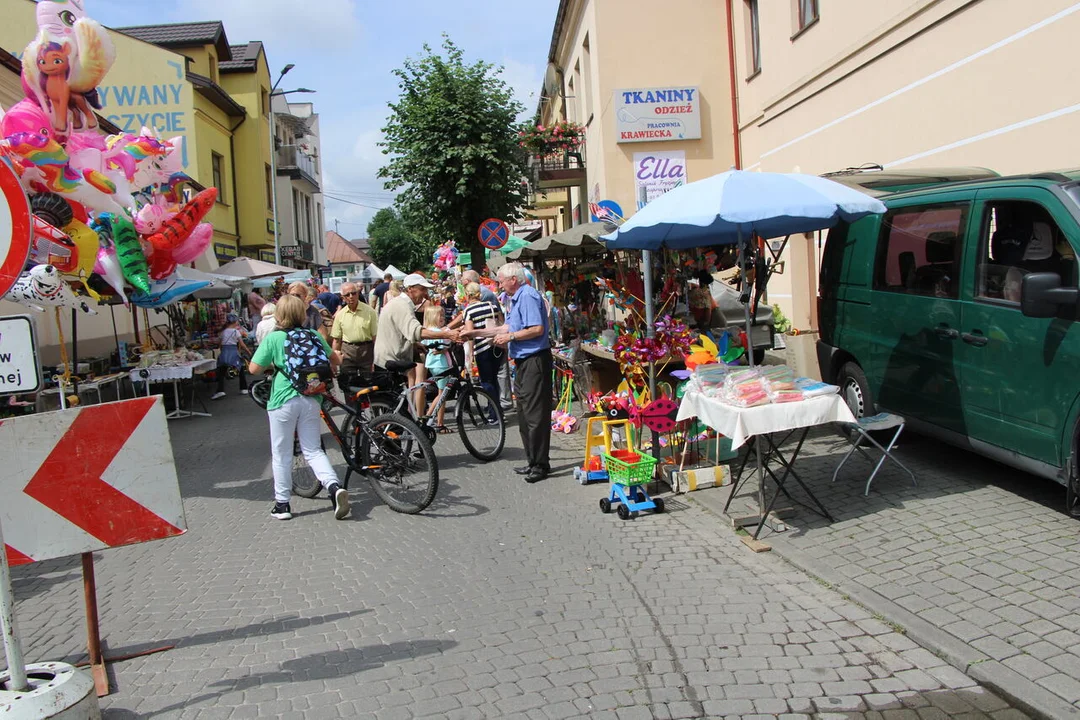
(166, 373)
(742, 423)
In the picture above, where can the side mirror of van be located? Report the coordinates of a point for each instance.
(1041, 295)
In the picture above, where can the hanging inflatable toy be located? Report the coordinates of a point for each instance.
(42, 166)
(108, 267)
(128, 250)
(86, 240)
(176, 229)
(65, 63)
(43, 287)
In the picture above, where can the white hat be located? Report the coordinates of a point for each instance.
(416, 279)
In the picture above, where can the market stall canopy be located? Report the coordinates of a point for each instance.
(250, 268)
(394, 272)
(372, 273)
(578, 241)
(220, 287)
(720, 209)
(497, 258)
(295, 276)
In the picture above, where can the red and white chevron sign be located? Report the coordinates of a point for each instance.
(86, 479)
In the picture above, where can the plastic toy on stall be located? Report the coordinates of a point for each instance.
(628, 471)
(599, 431)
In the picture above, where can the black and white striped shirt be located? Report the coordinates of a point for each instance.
(480, 313)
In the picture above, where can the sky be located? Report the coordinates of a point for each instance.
(346, 50)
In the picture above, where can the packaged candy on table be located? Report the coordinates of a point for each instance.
(815, 388)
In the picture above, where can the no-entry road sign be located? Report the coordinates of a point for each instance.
(16, 227)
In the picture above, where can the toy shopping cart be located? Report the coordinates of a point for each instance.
(629, 471)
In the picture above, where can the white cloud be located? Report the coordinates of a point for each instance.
(330, 26)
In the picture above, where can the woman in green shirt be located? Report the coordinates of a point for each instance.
(294, 414)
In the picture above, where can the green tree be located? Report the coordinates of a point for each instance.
(453, 147)
(392, 243)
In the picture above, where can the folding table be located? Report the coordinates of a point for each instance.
(764, 421)
(175, 374)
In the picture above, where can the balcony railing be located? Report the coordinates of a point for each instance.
(297, 165)
(563, 168)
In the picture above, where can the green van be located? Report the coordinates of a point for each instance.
(958, 309)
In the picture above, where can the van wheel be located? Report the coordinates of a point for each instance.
(855, 390)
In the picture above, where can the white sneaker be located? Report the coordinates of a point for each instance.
(217, 396)
(243, 392)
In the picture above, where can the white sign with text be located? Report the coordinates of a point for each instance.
(19, 370)
(657, 172)
(657, 114)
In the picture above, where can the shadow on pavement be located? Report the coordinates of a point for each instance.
(330, 665)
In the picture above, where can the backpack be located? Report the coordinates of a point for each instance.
(306, 363)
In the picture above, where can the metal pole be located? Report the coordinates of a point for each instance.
(16, 666)
(744, 264)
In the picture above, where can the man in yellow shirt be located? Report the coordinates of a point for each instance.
(353, 333)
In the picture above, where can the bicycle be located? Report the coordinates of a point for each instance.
(480, 421)
(391, 451)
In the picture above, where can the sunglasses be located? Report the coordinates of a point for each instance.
(350, 294)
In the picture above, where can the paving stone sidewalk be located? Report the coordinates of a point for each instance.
(978, 562)
(505, 600)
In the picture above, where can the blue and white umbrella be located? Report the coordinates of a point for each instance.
(723, 208)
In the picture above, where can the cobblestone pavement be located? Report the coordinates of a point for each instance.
(978, 562)
(503, 600)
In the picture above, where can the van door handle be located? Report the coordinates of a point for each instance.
(946, 332)
(977, 340)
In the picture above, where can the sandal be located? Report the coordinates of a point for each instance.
(443, 430)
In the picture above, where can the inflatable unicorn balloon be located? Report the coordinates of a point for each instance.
(65, 63)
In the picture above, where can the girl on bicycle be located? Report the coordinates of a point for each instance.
(437, 361)
(232, 344)
(294, 414)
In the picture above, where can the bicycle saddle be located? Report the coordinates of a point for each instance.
(399, 365)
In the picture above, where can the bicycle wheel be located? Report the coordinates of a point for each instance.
(304, 482)
(481, 423)
(400, 463)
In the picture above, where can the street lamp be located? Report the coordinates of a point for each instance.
(273, 155)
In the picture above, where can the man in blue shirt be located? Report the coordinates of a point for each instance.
(527, 339)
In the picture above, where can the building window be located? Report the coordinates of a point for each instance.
(586, 87)
(753, 37)
(269, 188)
(217, 162)
(571, 102)
(806, 14)
(319, 219)
(266, 102)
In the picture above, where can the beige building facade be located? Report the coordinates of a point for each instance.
(820, 86)
(903, 84)
(651, 88)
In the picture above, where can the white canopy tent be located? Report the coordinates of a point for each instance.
(397, 274)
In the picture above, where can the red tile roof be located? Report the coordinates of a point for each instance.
(341, 251)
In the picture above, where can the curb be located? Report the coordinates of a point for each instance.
(1013, 687)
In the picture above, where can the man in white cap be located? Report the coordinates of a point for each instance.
(399, 330)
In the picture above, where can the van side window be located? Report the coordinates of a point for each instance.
(1017, 238)
(919, 250)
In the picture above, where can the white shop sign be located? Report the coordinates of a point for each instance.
(657, 114)
(19, 369)
(655, 173)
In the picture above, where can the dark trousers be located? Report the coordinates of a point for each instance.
(533, 388)
(223, 372)
(487, 363)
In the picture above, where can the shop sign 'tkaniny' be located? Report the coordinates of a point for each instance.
(657, 114)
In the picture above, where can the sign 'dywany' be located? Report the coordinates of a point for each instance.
(652, 114)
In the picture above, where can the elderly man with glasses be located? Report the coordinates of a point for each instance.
(526, 335)
(353, 334)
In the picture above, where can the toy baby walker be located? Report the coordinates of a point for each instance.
(629, 471)
(597, 445)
